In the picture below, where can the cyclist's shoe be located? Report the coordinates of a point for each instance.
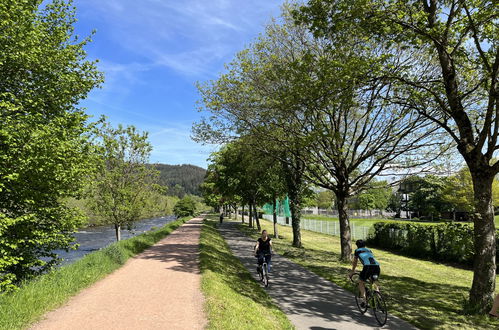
(363, 304)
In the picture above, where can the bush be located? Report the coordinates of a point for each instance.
(446, 242)
(185, 207)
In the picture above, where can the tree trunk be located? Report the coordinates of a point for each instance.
(242, 214)
(274, 217)
(295, 208)
(257, 218)
(345, 236)
(235, 212)
(117, 229)
(250, 215)
(484, 266)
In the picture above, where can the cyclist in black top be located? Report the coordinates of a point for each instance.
(263, 249)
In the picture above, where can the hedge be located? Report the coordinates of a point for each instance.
(450, 242)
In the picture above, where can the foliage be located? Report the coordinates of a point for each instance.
(451, 242)
(157, 205)
(375, 197)
(325, 199)
(316, 96)
(449, 56)
(44, 145)
(123, 183)
(20, 309)
(429, 199)
(181, 179)
(185, 207)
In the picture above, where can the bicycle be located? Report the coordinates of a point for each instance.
(263, 270)
(374, 299)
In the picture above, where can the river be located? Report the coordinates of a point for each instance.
(94, 238)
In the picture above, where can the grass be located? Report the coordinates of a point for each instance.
(365, 221)
(28, 304)
(234, 300)
(427, 294)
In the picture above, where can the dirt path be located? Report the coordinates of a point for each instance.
(309, 301)
(158, 289)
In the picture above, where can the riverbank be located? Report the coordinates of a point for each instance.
(49, 291)
(92, 239)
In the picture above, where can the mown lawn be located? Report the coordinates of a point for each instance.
(363, 221)
(23, 307)
(234, 300)
(427, 294)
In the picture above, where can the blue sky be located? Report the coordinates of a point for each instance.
(153, 52)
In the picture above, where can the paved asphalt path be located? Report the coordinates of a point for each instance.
(309, 301)
(157, 289)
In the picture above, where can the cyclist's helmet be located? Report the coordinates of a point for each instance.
(360, 243)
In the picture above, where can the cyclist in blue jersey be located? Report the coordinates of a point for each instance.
(370, 266)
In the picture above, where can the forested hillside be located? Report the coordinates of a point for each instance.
(181, 179)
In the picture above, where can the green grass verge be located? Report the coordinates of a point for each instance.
(234, 300)
(27, 305)
(427, 294)
(364, 221)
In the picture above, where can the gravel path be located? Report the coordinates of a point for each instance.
(309, 301)
(158, 289)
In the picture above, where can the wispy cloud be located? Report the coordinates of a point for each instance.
(152, 52)
(188, 36)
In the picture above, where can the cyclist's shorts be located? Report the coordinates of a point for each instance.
(369, 271)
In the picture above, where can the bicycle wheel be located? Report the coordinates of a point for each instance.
(265, 275)
(379, 308)
(359, 301)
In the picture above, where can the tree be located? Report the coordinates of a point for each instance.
(185, 207)
(44, 135)
(325, 199)
(375, 197)
(453, 82)
(123, 182)
(429, 199)
(324, 109)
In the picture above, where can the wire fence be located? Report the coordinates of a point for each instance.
(324, 226)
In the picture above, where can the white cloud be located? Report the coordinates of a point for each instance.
(189, 36)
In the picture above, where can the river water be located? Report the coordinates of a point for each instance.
(94, 238)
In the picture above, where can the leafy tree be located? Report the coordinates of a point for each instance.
(185, 207)
(429, 198)
(395, 204)
(325, 199)
(375, 197)
(336, 124)
(450, 53)
(123, 182)
(44, 144)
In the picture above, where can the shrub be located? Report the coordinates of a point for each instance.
(446, 242)
(185, 207)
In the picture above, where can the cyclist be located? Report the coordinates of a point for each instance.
(370, 267)
(263, 249)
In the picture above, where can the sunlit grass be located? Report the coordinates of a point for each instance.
(429, 295)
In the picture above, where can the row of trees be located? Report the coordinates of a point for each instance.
(339, 92)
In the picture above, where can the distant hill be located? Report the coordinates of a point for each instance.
(181, 179)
